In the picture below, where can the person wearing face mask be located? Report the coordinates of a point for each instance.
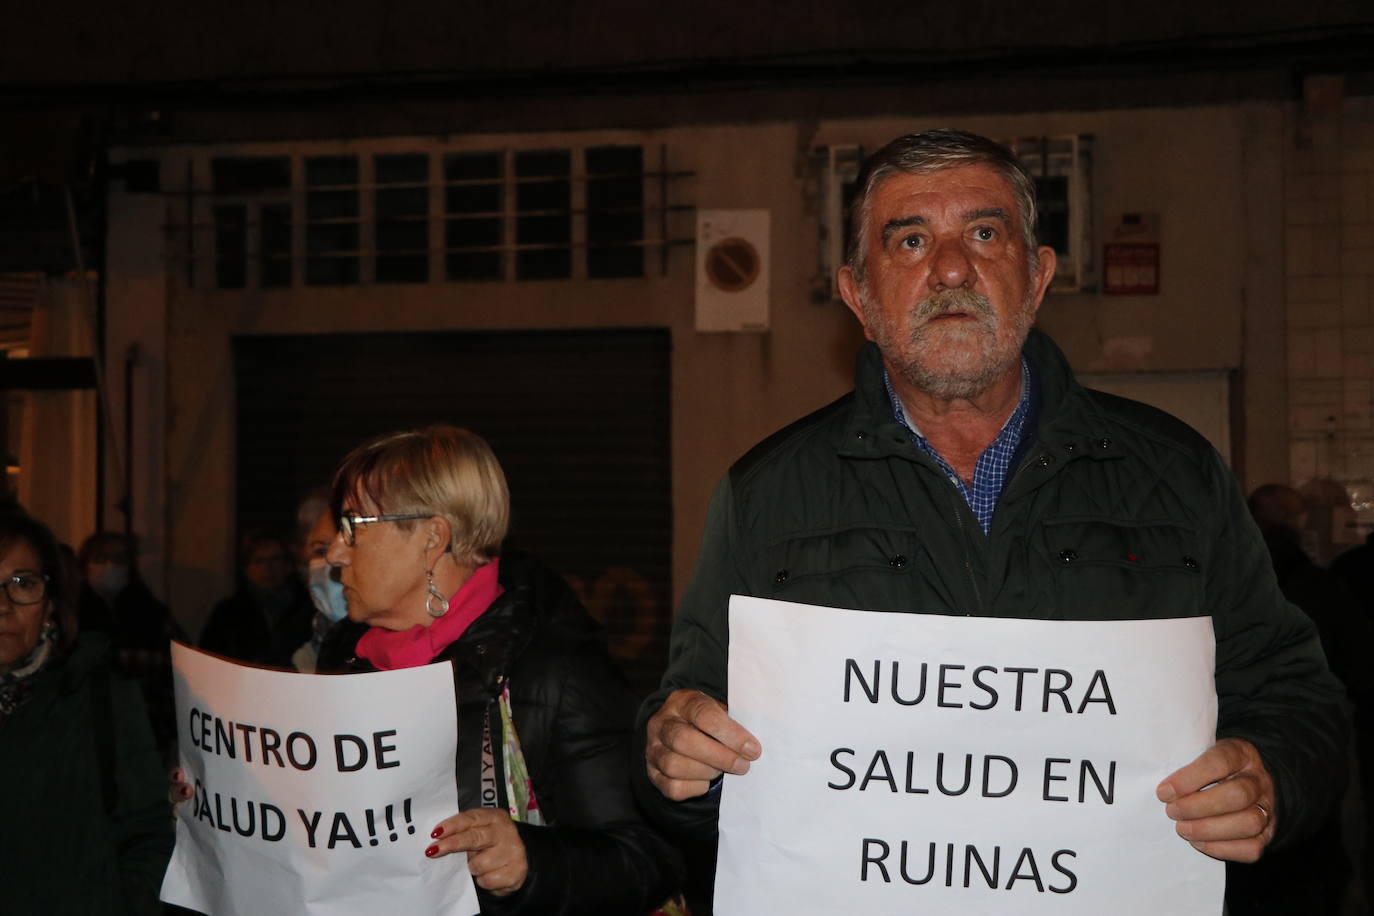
(270, 613)
(308, 546)
(115, 600)
(326, 591)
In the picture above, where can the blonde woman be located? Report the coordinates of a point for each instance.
(546, 817)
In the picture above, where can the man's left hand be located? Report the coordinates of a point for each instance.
(1223, 801)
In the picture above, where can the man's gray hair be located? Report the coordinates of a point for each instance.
(931, 151)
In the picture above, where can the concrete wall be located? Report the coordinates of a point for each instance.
(136, 329)
(1198, 168)
(1328, 193)
(56, 435)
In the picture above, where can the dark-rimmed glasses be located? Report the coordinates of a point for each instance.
(349, 523)
(26, 588)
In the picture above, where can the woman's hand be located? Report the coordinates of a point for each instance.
(496, 856)
(179, 791)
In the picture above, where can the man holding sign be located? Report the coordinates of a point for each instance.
(969, 474)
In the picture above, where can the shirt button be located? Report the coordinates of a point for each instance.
(897, 562)
(1104, 443)
(1190, 562)
(860, 434)
(1068, 555)
(780, 577)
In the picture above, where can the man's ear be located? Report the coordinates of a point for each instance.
(1049, 263)
(849, 292)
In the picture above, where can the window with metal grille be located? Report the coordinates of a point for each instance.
(332, 223)
(615, 211)
(401, 218)
(429, 216)
(473, 204)
(231, 246)
(252, 214)
(543, 222)
(1062, 170)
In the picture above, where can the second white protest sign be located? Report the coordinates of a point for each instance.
(962, 765)
(314, 794)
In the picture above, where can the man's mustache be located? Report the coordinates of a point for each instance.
(949, 301)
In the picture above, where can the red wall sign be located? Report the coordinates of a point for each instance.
(1131, 268)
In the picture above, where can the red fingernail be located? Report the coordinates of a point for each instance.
(438, 832)
(432, 851)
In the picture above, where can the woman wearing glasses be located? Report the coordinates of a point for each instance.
(83, 809)
(546, 816)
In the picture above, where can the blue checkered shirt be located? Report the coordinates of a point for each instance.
(990, 472)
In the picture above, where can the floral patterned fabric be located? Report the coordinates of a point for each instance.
(521, 801)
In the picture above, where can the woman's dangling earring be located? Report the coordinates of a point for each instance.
(436, 603)
(52, 630)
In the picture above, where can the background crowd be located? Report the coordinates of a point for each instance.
(84, 652)
(87, 718)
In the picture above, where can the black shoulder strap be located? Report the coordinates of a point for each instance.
(102, 719)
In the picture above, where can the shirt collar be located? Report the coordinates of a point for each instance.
(899, 413)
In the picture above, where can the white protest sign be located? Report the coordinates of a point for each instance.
(315, 794)
(963, 765)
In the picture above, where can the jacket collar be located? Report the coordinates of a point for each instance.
(497, 638)
(1070, 425)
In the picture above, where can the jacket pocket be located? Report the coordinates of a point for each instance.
(1112, 570)
(873, 566)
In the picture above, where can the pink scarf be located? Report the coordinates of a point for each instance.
(388, 650)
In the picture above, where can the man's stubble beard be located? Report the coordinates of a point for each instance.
(951, 362)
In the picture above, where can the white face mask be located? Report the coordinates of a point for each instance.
(108, 579)
(328, 593)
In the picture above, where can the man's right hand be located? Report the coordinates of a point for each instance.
(691, 741)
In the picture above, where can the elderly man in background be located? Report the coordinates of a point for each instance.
(969, 473)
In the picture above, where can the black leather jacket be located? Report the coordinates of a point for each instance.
(574, 712)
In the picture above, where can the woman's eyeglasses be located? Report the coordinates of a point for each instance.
(26, 588)
(349, 524)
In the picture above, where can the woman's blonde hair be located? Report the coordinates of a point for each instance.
(440, 470)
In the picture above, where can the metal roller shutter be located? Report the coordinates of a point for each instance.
(579, 420)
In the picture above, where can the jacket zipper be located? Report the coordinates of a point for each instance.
(1033, 453)
(955, 499)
